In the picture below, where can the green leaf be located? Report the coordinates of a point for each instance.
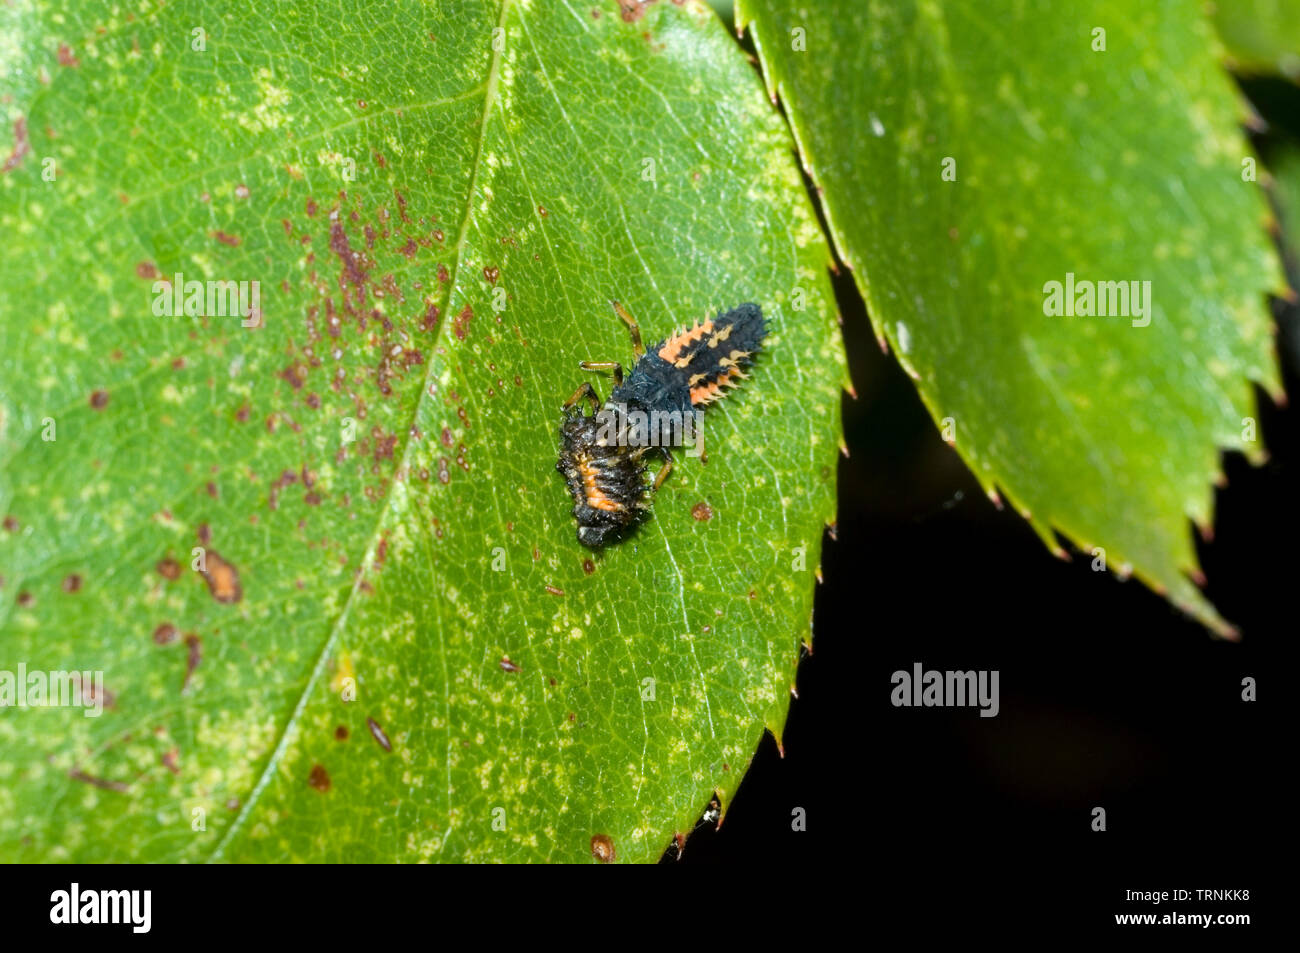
(1284, 171)
(556, 153)
(1112, 166)
(1262, 36)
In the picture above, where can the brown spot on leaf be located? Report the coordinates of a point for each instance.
(222, 578)
(341, 733)
(165, 634)
(99, 399)
(91, 693)
(26, 599)
(11, 524)
(588, 566)
(171, 760)
(295, 374)
(66, 58)
(21, 145)
(192, 658)
(602, 848)
(492, 274)
(702, 511)
(72, 583)
(102, 783)
(147, 270)
(226, 239)
(633, 10)
(169, 568)
(319, 778)
(354, 272)
(461, 325)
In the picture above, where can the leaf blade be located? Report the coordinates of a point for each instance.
(372, 559)
(1060, 170)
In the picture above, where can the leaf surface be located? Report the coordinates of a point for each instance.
(1262, 36)
(438, 202)
(1119, 164)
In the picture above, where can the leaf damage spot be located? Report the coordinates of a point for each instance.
(22, 145)
(354, 271)
(602, 848)
(319, 778)
(461, 324)
(102, 783)
(193, 657)
(222, 578)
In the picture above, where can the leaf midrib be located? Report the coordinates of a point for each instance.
(286, 733)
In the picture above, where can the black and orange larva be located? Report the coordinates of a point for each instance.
(687, 371)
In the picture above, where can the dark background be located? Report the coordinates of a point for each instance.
(1109, 697)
